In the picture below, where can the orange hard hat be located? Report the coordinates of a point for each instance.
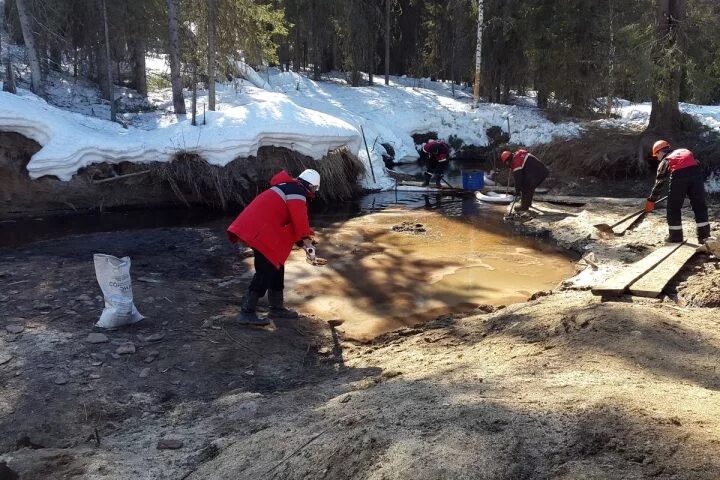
(658, 146)
(505, 156)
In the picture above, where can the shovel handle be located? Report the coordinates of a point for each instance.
(636, 213)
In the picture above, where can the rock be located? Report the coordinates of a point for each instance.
(345, 399)
(155, 337)
(145, 372)
(96, 363)
(97, 338)
(6, 473)
(125, 349)
(11, 337)
(14, 328)
(5, 358)
(42, 306)
(83, 298)
(60, 380)
(94, 376)
(169, 444)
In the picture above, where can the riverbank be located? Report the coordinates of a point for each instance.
(562, 386)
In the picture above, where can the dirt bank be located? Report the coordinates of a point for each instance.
(186, 181)
(564, 386)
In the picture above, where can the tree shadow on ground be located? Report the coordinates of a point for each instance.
(430, 429)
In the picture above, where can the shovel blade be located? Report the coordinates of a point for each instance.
(604, 228)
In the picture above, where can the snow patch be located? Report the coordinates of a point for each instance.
(72, 141)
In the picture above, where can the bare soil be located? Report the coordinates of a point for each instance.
(564, 386)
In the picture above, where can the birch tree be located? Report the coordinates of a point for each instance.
(478, 52)
(212, 10)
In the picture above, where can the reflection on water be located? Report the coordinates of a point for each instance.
(379, 280)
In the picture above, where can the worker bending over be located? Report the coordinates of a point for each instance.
(683, 173)
(271, 224)
(528, 173)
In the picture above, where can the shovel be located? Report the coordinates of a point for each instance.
(510, 210)
(605, 228)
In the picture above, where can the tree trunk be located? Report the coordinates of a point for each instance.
(478, 52)
(611, 61)
(139, 71)
(174, 43)
(194, 92)
(388, 6)
(29, 39)
(665, 114)
(316, 54)
(9, 83)
(211, 54)
(108, 66)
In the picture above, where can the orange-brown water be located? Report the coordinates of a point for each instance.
(378, 280)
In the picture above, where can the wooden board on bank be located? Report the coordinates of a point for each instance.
(617, 284)
(653, 282)
(511, 190)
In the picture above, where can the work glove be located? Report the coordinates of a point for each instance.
(310, 252)
(649, 206)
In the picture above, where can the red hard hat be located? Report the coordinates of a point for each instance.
(505, 156)
(658, 146)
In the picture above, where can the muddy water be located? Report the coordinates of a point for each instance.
(378, 280)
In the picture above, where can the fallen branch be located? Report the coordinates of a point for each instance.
(296, 451)
(120, 177)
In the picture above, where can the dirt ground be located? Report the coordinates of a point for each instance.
(564, 386)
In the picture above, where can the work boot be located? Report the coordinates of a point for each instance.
(437, 182)
(674, 238)
(277, 309)
(426, 182)
(703, 233)
(248, 315)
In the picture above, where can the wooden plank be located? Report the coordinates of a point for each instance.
(617, 284)
(501, 189)
(653, 282)
(623, 227)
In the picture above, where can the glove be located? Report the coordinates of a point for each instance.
(649, 206)
(310, 252)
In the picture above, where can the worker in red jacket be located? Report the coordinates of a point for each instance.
(438, 153)
(685, 176)
(271, 224)
(528, 173)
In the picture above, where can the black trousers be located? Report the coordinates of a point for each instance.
(266, 277)
(688, 182)
(527, 193)
(436, 169)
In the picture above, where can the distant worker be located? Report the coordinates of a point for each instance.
(271, 224)
(528, 173)
(685, 177)
(437, 152)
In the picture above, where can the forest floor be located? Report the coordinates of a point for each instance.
(562, 386)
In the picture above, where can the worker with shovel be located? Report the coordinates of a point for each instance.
(528, 173)
(437, 152)
(684, 174)
(271, 224)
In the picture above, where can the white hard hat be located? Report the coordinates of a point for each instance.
(312, 177)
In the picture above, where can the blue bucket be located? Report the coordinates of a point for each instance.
(473, 180)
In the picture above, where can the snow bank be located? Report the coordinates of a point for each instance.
(72, 141)
(392, 114)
